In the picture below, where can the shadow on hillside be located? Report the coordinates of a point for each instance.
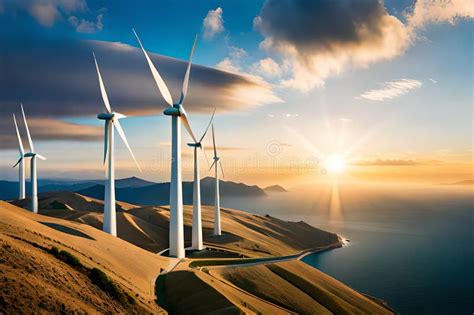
(67, 230)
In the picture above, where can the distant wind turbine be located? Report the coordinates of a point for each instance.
(197, 222)
(217, 204)
(111, 120)
(33, 155)
(20, 163)
(178, 115)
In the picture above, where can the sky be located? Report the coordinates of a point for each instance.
(387, 86)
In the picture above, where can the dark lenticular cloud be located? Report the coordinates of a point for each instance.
(56, 79)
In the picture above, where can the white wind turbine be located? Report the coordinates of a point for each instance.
(197, 222)
(178, 115)
(33, 155)
(217, 204)
(111, 122)
(20, 162)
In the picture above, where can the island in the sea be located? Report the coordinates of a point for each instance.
(61, 261)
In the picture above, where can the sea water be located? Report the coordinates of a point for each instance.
(411, 246)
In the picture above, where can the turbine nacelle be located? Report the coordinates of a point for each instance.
(195, 145)
(32, 155)
(175, 110)
(110, 116)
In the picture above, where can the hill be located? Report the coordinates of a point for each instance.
(467, 182)
(38, 280)
(147, 227)
(65, 280)
(275, 188)
(158, 194)
(136, 190)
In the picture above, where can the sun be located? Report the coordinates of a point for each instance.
(335, 164)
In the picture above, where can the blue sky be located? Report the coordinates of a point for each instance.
(402, 91)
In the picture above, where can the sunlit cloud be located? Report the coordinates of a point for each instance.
(440, 11)
(355, 34)
(391, 89)
(395, 162)
(213, 23)
(267, 67)
(48, 12)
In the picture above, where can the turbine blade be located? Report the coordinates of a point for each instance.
(106, 139)
(210, 122)
(186, 76)
(18, 162)
(156, 75)
(214, 141)
(39, 156)
(103, 92)
(222, 169)
(124, 139)
(20, 143)
(203, 149)
(210, 168)
(184, 118)
(32, 148)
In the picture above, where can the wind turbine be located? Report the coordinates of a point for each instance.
(217, 204)
(178, 115)
(21, 167)
(197, 222)
(111, 122)
(33, 155)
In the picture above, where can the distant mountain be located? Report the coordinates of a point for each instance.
(158, 194)
(275, 188)
(8, 190)
(466, 182)
(131, 182)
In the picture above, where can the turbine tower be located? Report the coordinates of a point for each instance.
(197, 222)
(33, 155)
(20, 163)
(111, 122)
(217, 204)
(178, 115)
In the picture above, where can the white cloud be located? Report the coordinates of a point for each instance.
(45, 13)
(213, 23)
(237, 52)
(228, 65)
(85, 26)
(433, 80)
(391, 89)
(440, 11)
(267, 67)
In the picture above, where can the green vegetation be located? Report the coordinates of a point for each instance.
(65, 256)
(100, 279)
(160, 291)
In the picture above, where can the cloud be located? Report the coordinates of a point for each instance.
(267, 67)
(433, 80)
(320, 38)
(213, 23)
(391, 89)
(228, 65)
(85, 26)
(57, 79)
(42, 128)
(395, 162)
(48, 12)
(440, 11)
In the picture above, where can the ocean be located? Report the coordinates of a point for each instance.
(411, 246)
